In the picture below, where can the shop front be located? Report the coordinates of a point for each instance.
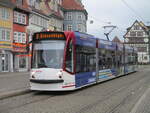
(20, 62)
(6, 61)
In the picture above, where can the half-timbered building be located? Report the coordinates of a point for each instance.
(138, 36)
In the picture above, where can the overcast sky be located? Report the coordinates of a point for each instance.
(121, 13)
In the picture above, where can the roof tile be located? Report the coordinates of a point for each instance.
(72, 5)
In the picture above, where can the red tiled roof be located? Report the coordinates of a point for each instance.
(72, 5)
(52, 12)
(58, 14)
(116, 39)
(38, 11)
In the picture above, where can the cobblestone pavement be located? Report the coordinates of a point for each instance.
(122, 95)
(13, 81)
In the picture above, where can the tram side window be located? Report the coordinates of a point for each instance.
(135, 58)
(69, 57)
(130, 59)
(106, 59)
(85, 59)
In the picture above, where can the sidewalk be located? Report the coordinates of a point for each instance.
(13, 83)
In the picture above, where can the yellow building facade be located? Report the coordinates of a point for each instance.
(6, 35)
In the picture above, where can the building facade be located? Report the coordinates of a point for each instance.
(20, 36)
(6, 24)
(53, 10)
(138, 36)
(37, 22)
(75, 16)
(55, 15)
(19, 19)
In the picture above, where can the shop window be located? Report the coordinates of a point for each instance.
(145, 58)
(22, 62)
(4, 62)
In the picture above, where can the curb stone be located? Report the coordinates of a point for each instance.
(13, 93)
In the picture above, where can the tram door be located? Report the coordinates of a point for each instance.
(4, 62)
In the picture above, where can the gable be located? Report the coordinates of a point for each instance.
(137, 30)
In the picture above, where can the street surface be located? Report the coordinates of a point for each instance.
(12, 82)
(127, 94)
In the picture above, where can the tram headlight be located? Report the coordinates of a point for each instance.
(32, 74)
(60, 74)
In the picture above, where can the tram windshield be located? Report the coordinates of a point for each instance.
(48, 54)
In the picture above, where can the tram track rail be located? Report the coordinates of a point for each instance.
(35, 97)
(114, 93)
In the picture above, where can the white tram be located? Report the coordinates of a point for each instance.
(64, 61)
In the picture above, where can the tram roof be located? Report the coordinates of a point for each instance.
(105, 44)
(90, 40)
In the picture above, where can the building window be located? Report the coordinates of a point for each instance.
(40, 21)
(19, 2)
(23, 37)
(133, 33)
(136, 27)
(69, 16)
(4, 34)
(4, 13)
(79, 17)
(15, 16)
(15, 36)
(19, 37)
(19, 18)
(7, 34)
(31, 2)
(80, 27)
(69, 27)
(142, 49)
(145, 58)
(24, 18)
(140, 33)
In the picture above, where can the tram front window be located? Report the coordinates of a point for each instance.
(48, 54)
